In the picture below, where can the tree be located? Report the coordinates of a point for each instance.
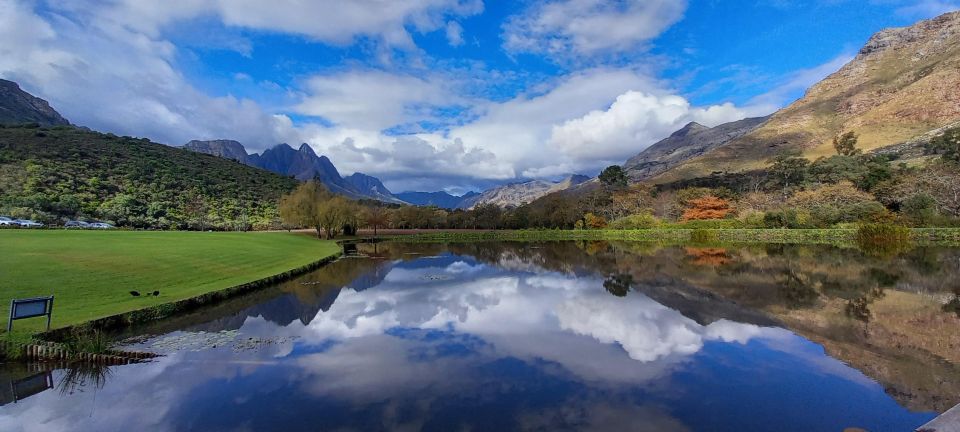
(946, 145)
(375, 217)
(303, 206)
(334, 214)
(614, 176)
(846, 144)
(789, 169)
(706, 208)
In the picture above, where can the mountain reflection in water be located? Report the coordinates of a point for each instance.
(552, 336)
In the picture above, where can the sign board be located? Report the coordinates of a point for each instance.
(29, 308)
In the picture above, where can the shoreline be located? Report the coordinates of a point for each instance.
(167, 310)
(836, 237)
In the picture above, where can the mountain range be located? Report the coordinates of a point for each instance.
(439, 199)
(305, 164)
(302, 164)
(904, 83)
(517, 194)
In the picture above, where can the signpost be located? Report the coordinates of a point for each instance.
(29, 308)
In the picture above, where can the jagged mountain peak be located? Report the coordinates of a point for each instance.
(305, 148)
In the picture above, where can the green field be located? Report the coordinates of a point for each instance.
(91, 273)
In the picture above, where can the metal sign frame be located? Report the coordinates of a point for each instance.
(15, 304)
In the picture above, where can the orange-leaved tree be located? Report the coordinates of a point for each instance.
(707, 207)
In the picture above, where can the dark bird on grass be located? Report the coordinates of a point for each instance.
(156, 293)
(135, 293)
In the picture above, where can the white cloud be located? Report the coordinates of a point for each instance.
(330, 21)
(377, 100)
(634, 122)
(111, 78)
(454, 34)
(585, 27)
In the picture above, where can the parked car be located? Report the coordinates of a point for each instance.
(5, 221)
(101, 225)
(76, 224)
(27, 223)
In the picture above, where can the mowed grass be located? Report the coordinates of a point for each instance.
(91, 273)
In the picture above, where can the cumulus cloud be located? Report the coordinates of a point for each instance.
(633, 122)
(585, 27)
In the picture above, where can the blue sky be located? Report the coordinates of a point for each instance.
(434, 94)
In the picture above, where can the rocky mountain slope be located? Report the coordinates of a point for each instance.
(371, 186)
(516, 194)
(689, 142)
(302, 164)
(439, 199)
(19, 107)
(903, 83)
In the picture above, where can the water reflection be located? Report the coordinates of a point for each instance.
(570, 336)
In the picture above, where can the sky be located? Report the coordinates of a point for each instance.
(429, 95)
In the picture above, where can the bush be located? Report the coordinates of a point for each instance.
(920, 208)
(635, 222)
(789, 218)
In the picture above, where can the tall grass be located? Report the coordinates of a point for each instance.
(883, 239)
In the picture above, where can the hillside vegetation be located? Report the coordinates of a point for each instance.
(54, 174)
(903, 83)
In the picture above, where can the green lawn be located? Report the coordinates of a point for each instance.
(91, 273)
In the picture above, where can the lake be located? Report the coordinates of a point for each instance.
(540, 336)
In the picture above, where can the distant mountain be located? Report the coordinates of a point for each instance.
(372, 187)
(517, 194)
(18, 107)
(227, 149)
(439, 199)
(691, 141)
(902, 84)
(302, 164)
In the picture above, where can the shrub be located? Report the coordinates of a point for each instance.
(788, 218)
(635, 222)
(751, 219)
(920, 208)
(594, 221)
(706, 208)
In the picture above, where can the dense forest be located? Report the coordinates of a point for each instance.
(60, 173)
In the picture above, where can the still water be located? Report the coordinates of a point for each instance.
(540, 336)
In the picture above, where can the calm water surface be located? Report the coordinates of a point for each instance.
(551, 336)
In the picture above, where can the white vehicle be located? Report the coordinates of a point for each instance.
(5, 221)
(27, 223)
(101, 225)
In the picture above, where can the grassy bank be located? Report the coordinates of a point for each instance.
(793, 236)
(91, 273)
